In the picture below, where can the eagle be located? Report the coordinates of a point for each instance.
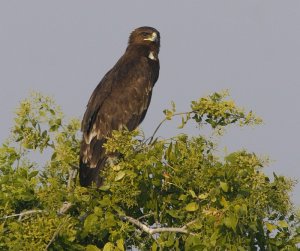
(120, 100)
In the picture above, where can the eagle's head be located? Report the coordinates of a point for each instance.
(145, 35)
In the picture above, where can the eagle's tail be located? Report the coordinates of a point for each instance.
(88, 175)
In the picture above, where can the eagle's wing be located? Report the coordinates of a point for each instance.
(121, 99)
(99, 95)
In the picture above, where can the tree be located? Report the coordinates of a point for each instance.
(161, 194)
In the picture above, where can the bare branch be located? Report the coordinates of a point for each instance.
(20, 215)
(156, 230)
(63, 209)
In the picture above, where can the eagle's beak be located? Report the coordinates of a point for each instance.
(153, 37)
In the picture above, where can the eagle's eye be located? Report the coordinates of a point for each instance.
(145, 34)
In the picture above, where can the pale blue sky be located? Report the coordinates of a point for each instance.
(251, 47)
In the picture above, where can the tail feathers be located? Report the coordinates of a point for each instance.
(88, 175)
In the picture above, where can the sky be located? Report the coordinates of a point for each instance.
(250, 47)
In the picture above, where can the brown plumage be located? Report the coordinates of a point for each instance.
(121, 99)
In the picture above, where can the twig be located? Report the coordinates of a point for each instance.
(56, 233)
(20, 215)
(164, 120)
(170, 183)
(166, 163)
(190, 223)
(155, 131)
(153, 231)
(145, 216)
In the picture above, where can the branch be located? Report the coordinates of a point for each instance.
(163, 121)
(145, 216)
(63, 209)
(152, 231)
(20, 215)
(56, 233)
(155, 131)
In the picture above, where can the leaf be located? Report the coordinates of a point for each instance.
(224, 186)
(154, 246)
(120, 175)
(169, 151)
(53, 156)
(231, 222)
(52, 111)
(98, 211)
(168, 114)
(120, 244)
(110, 220)
(20, 138)
(214, 237)
(193, 193)
(33, 174)
(182, 197)
(92, 248)
(193, 243)
(270, 226)
(108, 247)
(224, 202)
(105, 201)
(173, 106)
(116, 167)
(53, 128)
(174, 213)
(182, 123)
(170, 241)
(253, 226)
(104, 187)
(44, 134)
(203, 196)
(90, 222)
(283, 224)
(191, 207)
(58, 122)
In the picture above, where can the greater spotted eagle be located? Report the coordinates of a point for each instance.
(120, 100)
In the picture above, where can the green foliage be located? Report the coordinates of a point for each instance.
(215, 110)
(161, 194)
